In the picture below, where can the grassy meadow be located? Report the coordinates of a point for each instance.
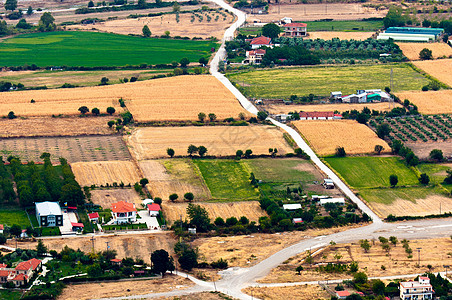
(388, 195)
(91, 49)
(282, 83)
(11, 216)
(281, 170)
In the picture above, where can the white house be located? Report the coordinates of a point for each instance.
(422, 289)
(124, 212)
(340, 201)
(292, 206)
(336, 95)
(254, 56)
(49, 214)
(154, 209)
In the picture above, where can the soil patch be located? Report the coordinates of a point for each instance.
(106, 197)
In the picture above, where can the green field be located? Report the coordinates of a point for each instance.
(227, 180)
(371, 172)
(281, 170)
(91, 49)
(11, 216)
(282, 83)
(388, 195)
(436, 172)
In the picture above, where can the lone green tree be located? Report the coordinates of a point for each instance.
(189, 197)
(161, 262)
(340, 152)
(184, 62)
(95, 111)
(365, 245)
(170, 152)
(11, 5)
(144, 181)
(271, 30)
(199, 217)
(111, 110)
(41, 249)
(262, 115)
(15, 230)
(83, 109)
(46, 23)
(202, 151)
(436, 154)
(30, 11)
(201, 116)
(425, 54)
(192, 149)
(378, 149)
(173, 197)
(393, 180)
(146, 31)
(424, 179)
(383, 130)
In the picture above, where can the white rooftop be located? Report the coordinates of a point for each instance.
(292, 206)
(332, 200)
(48, 208)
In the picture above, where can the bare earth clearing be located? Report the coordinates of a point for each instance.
(248, 250)
(326, 136)
(312, 12)
(434, 252)
(158, 25)
(106, 197)
(328, 35)
(103, 172)
(170, 176)
(341, 107)
(74, 149)
(123, 289)
(249, 209)
(301, 292)
(423, 149)
(441, 69)
(152, 142)
(48, 126)
(431, 102)
(127, 245)
(411, 50)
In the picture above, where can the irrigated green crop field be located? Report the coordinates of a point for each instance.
(90, 49)
(282, 83)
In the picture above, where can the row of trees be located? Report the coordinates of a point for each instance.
(95, 111)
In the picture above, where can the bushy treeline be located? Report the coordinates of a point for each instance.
(286, 55)
(7, 193)
(141, 4)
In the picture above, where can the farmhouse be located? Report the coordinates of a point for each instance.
(295, 29)
(421, 289)
(21, 273)
(254, 56)
(49, 214)
(154, 209)
(123, 212)
(319, 115)
(260, 41)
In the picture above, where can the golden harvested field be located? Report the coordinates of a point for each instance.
(299, 292)
(126, 245)
(431, 102)
(249, 209)
(106, 197)
(160, 24)
(411, 50)
(441, 69)
(152, 142)
(328, 35)
(103, 172)
(435, 252)
(125, 288)
(326, 136)
(168, 176)
(341, 107)
(48, 126)
(313, 12)
(248, 250)
(176, 98)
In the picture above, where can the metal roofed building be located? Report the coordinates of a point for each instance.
(49, 214)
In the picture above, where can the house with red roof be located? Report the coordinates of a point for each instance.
(21, 273)
(28, 267)
(116, 261)
(254, 56)
(94, 217)
(154, 209)
(295, 29)
(261, 41)
(1, 228)
(19, 280)
(123, 212)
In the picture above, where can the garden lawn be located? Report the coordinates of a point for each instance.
(282, 83)
(11, 216)
(91, 49)
(227, 179)
(59, 269)
(281, 170)
(371, 172)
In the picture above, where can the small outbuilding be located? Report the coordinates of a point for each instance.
(297, 220)
(154, 209)
(294, 206)
(340, 201)
(94, 217)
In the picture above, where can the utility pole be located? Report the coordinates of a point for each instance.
(392, 89)
(419, 256)
(108, 246)
(92, 240)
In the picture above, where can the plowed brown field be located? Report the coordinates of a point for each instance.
(431, 102)
(106, 197)
(326, 136)
(411, 50)
(441, 69)
(103, 172)
(152, 142)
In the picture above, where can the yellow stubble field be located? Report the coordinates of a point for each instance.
(441, 69)
(411, 50)
(431, 102)
(152, 142)
(326, 136)
(103, 172)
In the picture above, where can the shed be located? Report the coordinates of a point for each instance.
(328, 183)
(154, 209)
(77, 226)
(336, 95)
(294, 206)
(116, 261)
(374, 97)
(340, 201)
(94, 217)
(342, 294)
(297, 220)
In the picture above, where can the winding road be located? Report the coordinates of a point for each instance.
(235, 279)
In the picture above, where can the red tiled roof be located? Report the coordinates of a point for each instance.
(122, 206)
(115, 260)
(257, 51)
(317, 114)
(4, 273)
(342, 293)
(261, 40)
(20, 277)
(93, 215)
(296, 25)
(1, 227)
(77, 225)
(3, 266)
(26, 265)
(35, 263)
(154, 207)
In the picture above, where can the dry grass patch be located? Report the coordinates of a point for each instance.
(126, 245)
(411, 50)
(326, 136)
(170, 176)
(431, 102)
(160, 24)
(328, 35)
(341, 107)
(440, 69)
(198, 296)
(248, 250)
(434, 252)
(106, 197)
(300, 292)
(47, 126)
(152, 142)
(249, 209)
(103, 172)
(123, 289)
